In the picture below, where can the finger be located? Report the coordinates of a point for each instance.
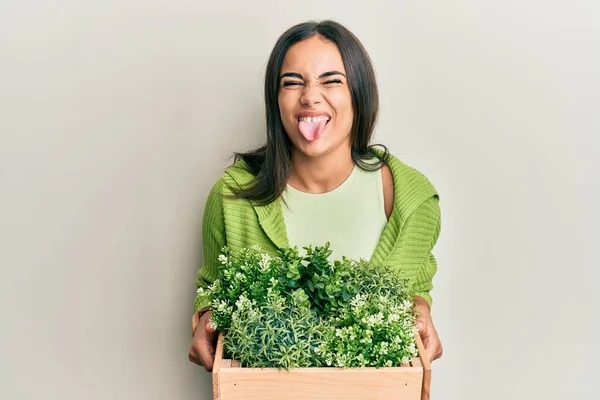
(428, 344)
(439, 352)
(420, 326)
(425, 341)
(193, 356)
(431, 352)
(209, 327)
(207, 321)
(206, 352)
(433, 348)
(195, 321)
(211, 335)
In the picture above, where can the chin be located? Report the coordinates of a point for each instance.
(310, 151)
(315, 148)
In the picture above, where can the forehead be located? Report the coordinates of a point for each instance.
(313, 56)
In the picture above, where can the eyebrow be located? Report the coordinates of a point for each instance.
(299, 76)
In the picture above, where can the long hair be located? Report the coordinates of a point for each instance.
(271, 163)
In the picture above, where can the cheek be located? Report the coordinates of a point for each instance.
(286, 106)
(286, 109)
(342, 104)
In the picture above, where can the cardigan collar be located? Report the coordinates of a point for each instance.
(406, 199)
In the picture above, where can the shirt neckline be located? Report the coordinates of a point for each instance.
(344, 183)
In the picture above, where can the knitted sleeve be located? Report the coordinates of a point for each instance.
(213, 240)
(415, 244)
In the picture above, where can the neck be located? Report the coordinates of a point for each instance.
(320, 174)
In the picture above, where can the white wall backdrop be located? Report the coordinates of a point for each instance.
(116, 118)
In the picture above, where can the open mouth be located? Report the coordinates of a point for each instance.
(313, 127)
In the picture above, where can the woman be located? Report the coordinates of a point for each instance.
(317, 179)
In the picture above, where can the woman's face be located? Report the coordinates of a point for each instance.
(314, 98)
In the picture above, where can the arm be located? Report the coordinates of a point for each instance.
(213, 239)
(417, 239)
(412, 253)
(415, 244)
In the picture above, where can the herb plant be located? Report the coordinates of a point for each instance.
(293, 311)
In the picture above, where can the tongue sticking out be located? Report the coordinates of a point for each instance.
(312, 130)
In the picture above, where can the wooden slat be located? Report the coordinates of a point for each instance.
(426, 369)
(217, 367)
(321, 383)
(218, 354)
(416, 362)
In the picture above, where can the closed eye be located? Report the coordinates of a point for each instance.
(333, 82)
(292, 83)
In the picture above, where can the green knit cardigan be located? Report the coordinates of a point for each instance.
(406, 242)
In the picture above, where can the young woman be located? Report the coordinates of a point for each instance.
(318, 178)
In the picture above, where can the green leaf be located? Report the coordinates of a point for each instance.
(345, 295)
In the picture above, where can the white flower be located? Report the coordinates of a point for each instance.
(212, 324)
(358, 301)
(373, 320)
(384, 300)
(366, 340)
(412, 348)
(240, 277)
(242, 300)
(263, 264)
(222, 307)
(253, 314)
(383, 348)
(341, 360)
(223, 259)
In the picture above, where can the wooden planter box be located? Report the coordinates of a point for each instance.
(232, 382)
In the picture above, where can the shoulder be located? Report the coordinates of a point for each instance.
(409, 187)
(215, 198)
(221, 201)
(407, 178)
(235, 176)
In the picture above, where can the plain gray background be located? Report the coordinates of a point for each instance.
(116, 118)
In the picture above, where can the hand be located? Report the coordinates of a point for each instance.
(428, 333)
(202, 351)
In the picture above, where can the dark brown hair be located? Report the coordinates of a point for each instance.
(271, 164)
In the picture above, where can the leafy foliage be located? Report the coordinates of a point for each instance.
(296, 311)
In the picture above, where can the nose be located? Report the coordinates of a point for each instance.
(311, 95)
